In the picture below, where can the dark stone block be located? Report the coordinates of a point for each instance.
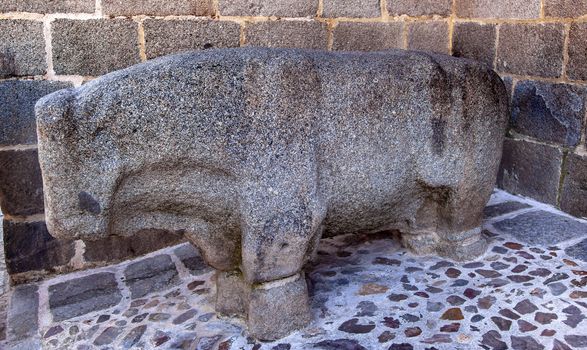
(279, 8)
(23, 313)
(565, 8)
(475, 41)
(151, 275)
(419, 7)
(577, 65)
(428, 36)
(191, 259)
(354, 36)
(22, 48)
(574, 190)
(53, 6)
(503, 208)
(519, 9)
(163, 37)
(17, 115)
(531, 49)
(21, 184)
(94, 47)
(83, 295)
(351, 8)
(30, 247)
(118, 248)
(578, 251)
(549, 112)
(157, 7)
(542, 228)
(531, 170)
(288, 34)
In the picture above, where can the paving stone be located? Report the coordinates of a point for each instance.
(542, 228)
(21, 184)
(417, 8)
(353, 326)
(355, 36)
(558, 345)
(557, 288)
(475, 41)
(115, 248)
(503, 208)
(17, 115)
(298, 34)
(279, 8)
(428, 36)
(351, 8)
(574, 190)
(23, 313)
(525, 326)
(53, 6)
(164, 37)
(151, 274)
(157, 8)
(576, 340)
(520, 9)
(577, 65)
(525, 343)
(493, 340)
(22, 47)
(83, 295)
(549, 112)
(544, 317)
(133, 337)
(453, 314)
(531, 49)
(502, 323)
(94, 47)
(531, 170)
(192, 260)
(578, 251)
(343, 344)
(107, 336)
(525, 307)
(30, 247)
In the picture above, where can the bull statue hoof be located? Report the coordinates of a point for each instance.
(255, 154)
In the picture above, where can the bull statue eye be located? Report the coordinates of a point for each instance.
(88, 203)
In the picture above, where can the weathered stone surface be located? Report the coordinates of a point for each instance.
(157, 8)
(577, 65)
(531, 49)
(475, 41)
(83, 295)
(280, 8)
(354, 36)
(163, 37)
(23, 313)
(151, 274)
(419, 7)
(287, 34)
(116, 248)
(574, 190)
(21, 185)
(549, 112)
(22, 48)
(94, 47)
(541, 227)
(245, 187)
(530, 169)
(578, 251)
(192, 259)
(17, 115)
(428, 36)
(498, 8)
(503, 208)
(29, 247)
(53, 6)
(351, 8)
(565, 8)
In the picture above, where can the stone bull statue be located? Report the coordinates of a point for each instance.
(255, 154)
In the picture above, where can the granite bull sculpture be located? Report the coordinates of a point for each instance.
(255, 154)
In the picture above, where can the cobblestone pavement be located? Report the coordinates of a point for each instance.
(527, 292)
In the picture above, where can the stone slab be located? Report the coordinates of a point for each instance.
(542, 228)
(21, 184)
(280, 8)
(578, 251)
(22, 48)
(574, 190)
(83, 295)
(149, 275)
(503, 208)
(23, 313)
(157, 7)
(475, 41)
(192, 259)
(351, 8)
(52, 6)
(354, 36)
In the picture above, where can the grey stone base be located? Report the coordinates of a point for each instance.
(272, 310)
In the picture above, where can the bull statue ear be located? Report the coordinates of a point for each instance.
(255, 154)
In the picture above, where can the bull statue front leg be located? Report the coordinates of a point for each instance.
(281, 226)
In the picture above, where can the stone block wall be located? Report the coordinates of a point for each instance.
(538, 46)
